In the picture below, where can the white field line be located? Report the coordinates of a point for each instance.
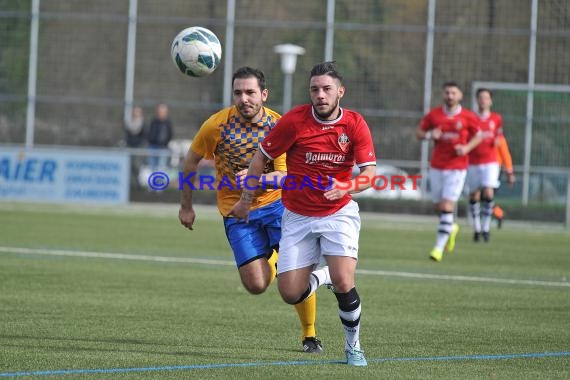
(462, 278)
(186, 260)
(113, 256)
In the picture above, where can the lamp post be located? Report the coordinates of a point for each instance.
(289, 53)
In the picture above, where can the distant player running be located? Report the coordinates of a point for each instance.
(483, 171)
(231, 137)
(455, 133)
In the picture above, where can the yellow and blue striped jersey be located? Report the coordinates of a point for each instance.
(231, 142)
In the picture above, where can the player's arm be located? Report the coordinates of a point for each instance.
(506, 160)
(422, 134)
(186, 214)
(276, 177)
(251, 183)
(462, 150)
(364, 180)
(273, 178)
(425, 130)
(357, 184)
(365, 159)
(476, 137)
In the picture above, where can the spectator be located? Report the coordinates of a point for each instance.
(159, 135)
(134, 129)
(134, 138)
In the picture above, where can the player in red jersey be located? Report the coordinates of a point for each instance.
(483, 171)
(321, 220)
(455, 133)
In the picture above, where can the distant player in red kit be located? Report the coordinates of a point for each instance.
(321, 140)
(455, 133)
(483, 171)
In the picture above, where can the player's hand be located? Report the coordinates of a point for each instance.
(186, 217)
(511, 179)
(497, 142)
(335, 193)
(240, 178)
(240, 210)
(461, 150)
(436, 133)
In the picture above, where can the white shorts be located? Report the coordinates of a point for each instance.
(483, 175)
(305, 239)
(446, 184)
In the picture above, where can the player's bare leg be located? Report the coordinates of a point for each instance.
(298, 284)
(256, 275)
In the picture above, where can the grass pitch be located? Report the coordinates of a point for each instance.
(104, 316)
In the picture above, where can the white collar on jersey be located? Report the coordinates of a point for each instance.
(454, 113)
(326, 121)
(484, 115)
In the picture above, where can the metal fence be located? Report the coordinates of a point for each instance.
(71, 70)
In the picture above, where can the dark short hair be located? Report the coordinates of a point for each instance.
(450, 84)
(249, 72)
(326, 68)
(484, 90)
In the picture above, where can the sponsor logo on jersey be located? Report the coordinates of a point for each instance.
(326, 157)
(449, 135)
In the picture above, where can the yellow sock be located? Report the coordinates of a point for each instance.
(307, 311)
(273, 265)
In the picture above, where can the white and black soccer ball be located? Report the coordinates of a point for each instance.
(196, 51)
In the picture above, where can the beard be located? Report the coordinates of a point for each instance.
(327, 114)
(450, 103)
(250, 112)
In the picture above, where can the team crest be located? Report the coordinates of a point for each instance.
(492, 125)
(343, 141)
(458, 125)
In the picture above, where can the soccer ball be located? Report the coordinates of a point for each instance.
(196, 51)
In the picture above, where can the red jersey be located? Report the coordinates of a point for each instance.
(457, 128)
(317, 150)
(491, 127)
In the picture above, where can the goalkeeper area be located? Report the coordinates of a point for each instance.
(126, 292)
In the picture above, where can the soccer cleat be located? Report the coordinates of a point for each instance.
(436, 255)
(476, 236)
(355, 357)
(486, 236)
(450, 246)
(312, 345)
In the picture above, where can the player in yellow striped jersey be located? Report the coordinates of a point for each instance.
(231, 137)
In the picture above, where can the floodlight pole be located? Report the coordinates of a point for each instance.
(32, 74)
(130, 64)
(289, 53)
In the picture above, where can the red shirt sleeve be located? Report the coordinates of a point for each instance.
(363, 144)
(280, 138)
